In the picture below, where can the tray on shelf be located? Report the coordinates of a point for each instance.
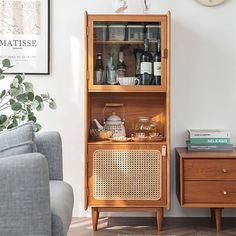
(121, 139)
(148, 139)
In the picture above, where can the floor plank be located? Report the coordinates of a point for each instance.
(124, 226)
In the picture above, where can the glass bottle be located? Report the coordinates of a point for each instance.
(146, 65)
(138, 54)
(99, 70)
(121, 67)
(157, 65)
(111, 70)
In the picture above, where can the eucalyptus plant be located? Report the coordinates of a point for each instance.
(19, 102)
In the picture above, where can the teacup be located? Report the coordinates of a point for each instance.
(128, 81)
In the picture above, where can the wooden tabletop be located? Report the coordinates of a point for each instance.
(183, 152)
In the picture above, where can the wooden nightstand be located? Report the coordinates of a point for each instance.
(206, 180)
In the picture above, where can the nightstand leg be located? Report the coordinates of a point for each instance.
(213, 217)
(95, 216)
(218, 214)
(159, 216)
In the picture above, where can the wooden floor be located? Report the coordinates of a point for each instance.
(147, 226)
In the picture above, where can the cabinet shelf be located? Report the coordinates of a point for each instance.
(118, 42)
(122, 88)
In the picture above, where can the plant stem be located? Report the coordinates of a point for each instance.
(145, 5)
(4, 108)
(6, 103)
(3, 97)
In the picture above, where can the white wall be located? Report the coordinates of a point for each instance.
(203, 78)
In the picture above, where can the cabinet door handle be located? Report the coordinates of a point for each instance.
(163, 150)
(225, 193)
(225, 171)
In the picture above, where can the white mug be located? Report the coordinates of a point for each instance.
(128, 81)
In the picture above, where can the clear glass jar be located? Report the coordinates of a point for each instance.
(145, 128)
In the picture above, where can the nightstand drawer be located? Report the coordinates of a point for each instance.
(210, 192)
(210, 169)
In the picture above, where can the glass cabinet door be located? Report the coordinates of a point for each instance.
(127, 54)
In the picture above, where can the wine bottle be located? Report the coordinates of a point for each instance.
(157, 65)
(111, 70)
(121, 67)
(146, 65)
(99, 70)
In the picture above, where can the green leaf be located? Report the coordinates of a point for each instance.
(3, 119)
(53, 105)
(14, 92)
(12, 101)
(2, 93)
(2, 77)
(6, 63)
(30, 96)
(38, 98)
(34, 104)
(28, 87)
(19, 79)
(1, 71)
(22, 97)
(37, 127)
(16, 106)
(15, 83)
(32, 118)
(15, 122)
(45, 96)
(10, 126)
(40, 106)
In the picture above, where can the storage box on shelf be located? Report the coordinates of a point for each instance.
(123, 159)
(135, 32)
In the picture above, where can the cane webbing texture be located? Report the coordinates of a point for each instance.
(127, 174)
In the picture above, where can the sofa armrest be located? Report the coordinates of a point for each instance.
(24, 195)
(49, 144)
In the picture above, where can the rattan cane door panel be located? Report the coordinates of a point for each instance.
(127, 175)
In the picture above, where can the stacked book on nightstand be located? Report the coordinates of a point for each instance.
(209, 140)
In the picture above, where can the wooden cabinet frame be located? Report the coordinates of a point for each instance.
(161, 92)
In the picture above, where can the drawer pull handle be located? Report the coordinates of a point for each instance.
(225, 193)
(224, 170)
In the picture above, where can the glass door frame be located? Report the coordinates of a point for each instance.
(127, 18)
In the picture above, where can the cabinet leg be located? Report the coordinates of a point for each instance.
(213, 217)
(218, 214)
(95, 216)
(159, 217)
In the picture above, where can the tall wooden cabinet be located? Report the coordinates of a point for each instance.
(127, 176)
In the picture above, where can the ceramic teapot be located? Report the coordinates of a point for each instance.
(113, 123)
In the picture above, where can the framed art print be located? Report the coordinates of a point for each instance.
(24, 35)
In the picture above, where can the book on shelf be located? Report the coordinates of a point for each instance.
(208, 133)
(209, 147)
(209, 140)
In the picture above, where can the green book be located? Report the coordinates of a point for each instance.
(210, 140)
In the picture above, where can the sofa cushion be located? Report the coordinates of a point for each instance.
(18, 140)
(61, 199)
(22, 148)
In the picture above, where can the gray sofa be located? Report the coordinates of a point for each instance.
(34, 201)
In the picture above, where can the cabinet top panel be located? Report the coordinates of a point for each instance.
(128, 17)
(183, 152)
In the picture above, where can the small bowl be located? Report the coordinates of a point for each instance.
(100, 134)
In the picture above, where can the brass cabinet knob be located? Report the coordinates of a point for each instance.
(225, 193)
(224, 170)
